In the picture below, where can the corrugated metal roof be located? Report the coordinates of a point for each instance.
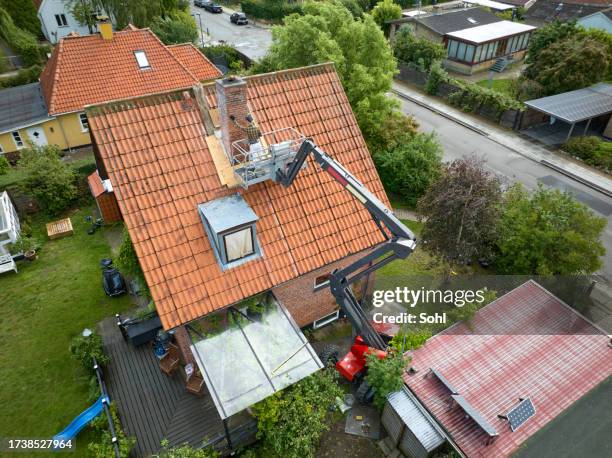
(406, 407)
(578, 105)
(22, 106)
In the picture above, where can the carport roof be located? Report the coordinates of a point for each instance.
(578, 105)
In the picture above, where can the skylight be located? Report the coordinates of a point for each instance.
(142, 60)
(472, 20)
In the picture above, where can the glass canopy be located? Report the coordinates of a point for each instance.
(258, 352)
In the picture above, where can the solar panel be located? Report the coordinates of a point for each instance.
(521, 413)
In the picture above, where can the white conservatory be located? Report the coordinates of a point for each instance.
(9, 232)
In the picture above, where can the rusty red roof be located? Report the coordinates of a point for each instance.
(526, 344)
(85, 70)
(155, 152)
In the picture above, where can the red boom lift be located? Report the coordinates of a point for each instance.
(399, 243)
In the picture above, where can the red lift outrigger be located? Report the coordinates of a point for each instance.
(399, 243)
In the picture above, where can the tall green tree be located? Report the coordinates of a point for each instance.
(24, 15)
(409, 169)
(572, 63)
(462, 209)
(551, 33)
(548, 233)
(328, 32)
(179, 27)
(386, 10)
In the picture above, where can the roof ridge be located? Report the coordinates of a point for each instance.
(55, 77)
(98, 107)
(183, 66)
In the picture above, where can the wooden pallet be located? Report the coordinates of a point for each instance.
(59, 228)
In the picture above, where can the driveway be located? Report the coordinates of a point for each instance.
(252, 40)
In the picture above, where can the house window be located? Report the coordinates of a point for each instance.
(229, 223)
(17, 139)
(61, 20)
(452, 49)
(325, 320)
(84, 122)
(322, 281)
(469, 54)
(238, 244)
(142, 60)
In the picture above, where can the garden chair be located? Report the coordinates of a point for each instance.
(195, 382)
(170, 361)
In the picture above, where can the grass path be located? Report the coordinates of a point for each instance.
(45, 305)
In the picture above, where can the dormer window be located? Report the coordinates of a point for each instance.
(142, 60)
(230, 225)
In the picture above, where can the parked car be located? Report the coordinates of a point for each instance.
(200, 3)
(239, 18)
(212, 7)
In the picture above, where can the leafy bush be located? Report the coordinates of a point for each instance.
(290, 422)
(408, 170)
(178, 27)
(85, 349)
(592, 150)
(525, 89)
(385, 375)
(4, 166)
(437, 75)
(386, 10)
(225, 54)
(128, 262)
(271, 10)
(24, 15)
(418, 52)
(23, 76)
(354, 7)
(23, 244)
(103, 447)
(47, 178)
(403, 342)
(185, 451)
(471, 98)
(24, 43)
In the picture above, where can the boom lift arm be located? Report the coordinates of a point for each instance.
(400, 241)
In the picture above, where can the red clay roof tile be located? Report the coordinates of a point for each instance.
(159, 186)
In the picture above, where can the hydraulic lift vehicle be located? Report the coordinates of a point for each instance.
(399, 243)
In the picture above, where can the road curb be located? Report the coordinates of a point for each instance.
(544, 162)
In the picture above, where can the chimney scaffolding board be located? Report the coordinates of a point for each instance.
(253, 163)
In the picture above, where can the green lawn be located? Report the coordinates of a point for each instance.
(45, 305)
(499, 85)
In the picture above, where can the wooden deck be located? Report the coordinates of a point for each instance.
(153, 406)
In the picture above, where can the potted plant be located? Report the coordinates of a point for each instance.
(26, 246)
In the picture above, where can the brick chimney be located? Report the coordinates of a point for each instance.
(105, 27)
(231, 100)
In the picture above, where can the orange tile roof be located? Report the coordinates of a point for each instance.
(195, 61)
(155, 152)
(95, 184)
(85, 70)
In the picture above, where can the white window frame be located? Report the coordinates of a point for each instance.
(142, 60)
(320, 285)
(84, 124)
(316, 324)
(61, 20)
(15, 134)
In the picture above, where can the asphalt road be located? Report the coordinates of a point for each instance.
(251, 40)
(459, 141)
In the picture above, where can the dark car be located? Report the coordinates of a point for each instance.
(239, 19)
(213, 7)
(200, 3)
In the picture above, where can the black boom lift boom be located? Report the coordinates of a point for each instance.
(399, 240)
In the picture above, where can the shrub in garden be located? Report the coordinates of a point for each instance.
(23, 76)
(4, 166)
(24, 43)
(471, 98)
(85, 349)
(103, 446)
(47, 178)
(592, 150)
(385, 375)
(437, 75)
(418, 52)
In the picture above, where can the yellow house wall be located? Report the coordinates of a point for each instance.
(64, 131)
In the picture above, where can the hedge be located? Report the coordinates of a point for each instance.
(272, 10)
(23, 76)
(19, 40)
(471, 98)
(592, 150)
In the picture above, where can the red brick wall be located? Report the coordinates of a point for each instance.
(306, 305)
(232, 100)
(109, 210)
